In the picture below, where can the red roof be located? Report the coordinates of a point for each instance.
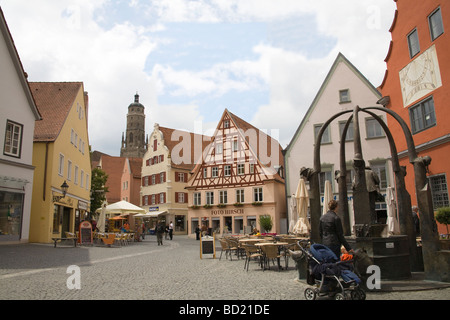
(53, 100)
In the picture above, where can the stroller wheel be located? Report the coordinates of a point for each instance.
(310, 294)
(358, 294)
(340, 296)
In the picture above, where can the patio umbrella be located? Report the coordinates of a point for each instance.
(102, 217)
(327, 196)
(293, 211)
(123, 207)
(392, 222)
(301, 195)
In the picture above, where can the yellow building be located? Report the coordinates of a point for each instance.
(60, 154)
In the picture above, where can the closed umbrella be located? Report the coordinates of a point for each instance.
(293, 211)
(302, 226)
(102, 217)
(327, 196)
(392, 222)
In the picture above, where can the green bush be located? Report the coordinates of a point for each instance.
(266, 223)
(443, 216)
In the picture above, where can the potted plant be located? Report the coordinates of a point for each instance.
(266, 223)
(257, 203)
(443, 217)
(207, 206)
(238, 204)
(221, 205)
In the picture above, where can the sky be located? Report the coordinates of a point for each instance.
(189, 60)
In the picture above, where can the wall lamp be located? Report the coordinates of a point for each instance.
(64, 188)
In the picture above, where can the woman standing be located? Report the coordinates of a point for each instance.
(331, 232)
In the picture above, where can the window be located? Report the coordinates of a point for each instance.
(349, 135)
(380, 170)
(153, 199)
(197, 199)
(219, 148)
(61, 165)
(162, 177)
(235, 146)
(69, 170)
(162, 197)
(422, 115)
(223, 197)
(344, 96)
(436, 25)
(153, 179)
(210, 197)
(326, 137)
(252, 168)
(240, 168)
(226, 124)
(373, 129)
(439, 191)
(87, 182)
(257, 194)
(180, 197)
(413, 43)
(76, 175)
(180, 176)
(324, 175)
(82, 179)
(215, 172)
(240, 195)
(227, 170)
(205, 172)
(13, 139)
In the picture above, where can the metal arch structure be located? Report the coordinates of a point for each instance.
(430, 240)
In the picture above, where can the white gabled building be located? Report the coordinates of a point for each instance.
(18, 114)
(343, 88)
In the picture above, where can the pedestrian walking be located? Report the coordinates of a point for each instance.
(171, 230)
(159, 230)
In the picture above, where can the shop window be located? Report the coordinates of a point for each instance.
(11, 209)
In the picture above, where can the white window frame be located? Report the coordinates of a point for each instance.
(258, 194)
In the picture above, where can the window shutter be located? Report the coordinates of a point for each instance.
(185, 177)
(176, 197)
(177, 178)
(185, 197)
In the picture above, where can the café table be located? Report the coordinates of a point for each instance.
(279, 245)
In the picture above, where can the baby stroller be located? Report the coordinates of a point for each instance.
(329, 276)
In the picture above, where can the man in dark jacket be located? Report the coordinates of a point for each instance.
(331, 232)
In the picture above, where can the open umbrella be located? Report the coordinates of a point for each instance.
(301, 195)
(327, 196)
(392, 222)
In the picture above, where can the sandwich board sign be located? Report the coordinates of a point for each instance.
(208, 246)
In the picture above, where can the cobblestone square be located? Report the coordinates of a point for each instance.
(146, 271)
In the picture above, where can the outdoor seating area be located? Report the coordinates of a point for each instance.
(267, 252)
(113, 239)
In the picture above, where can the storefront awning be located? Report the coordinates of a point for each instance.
(152, 214)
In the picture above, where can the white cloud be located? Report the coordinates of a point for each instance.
(65, 41)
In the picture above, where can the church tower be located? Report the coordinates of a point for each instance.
(134, 144)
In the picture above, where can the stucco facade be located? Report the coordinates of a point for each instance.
(343, 89)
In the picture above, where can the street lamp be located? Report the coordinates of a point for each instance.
(64, 188)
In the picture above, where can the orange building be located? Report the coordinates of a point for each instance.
(417, 87)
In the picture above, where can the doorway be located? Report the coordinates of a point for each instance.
(65, 221)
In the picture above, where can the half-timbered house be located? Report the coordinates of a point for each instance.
(238, 180)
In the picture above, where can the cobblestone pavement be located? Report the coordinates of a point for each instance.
(145, 270)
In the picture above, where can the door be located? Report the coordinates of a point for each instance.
(65, 221)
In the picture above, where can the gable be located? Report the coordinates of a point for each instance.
(342, 75)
